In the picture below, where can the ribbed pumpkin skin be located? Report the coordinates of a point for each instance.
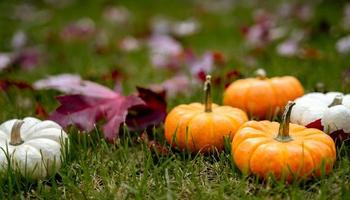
(261, 97)
(256, 151)
(197, 130)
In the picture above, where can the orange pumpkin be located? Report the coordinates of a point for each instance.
(197, 127)
(262, 97)
(284, 150)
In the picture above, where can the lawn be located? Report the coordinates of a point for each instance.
(45, 39)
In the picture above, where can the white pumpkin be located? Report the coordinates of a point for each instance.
(33, 146)
(332, 110)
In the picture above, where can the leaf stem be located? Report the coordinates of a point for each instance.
(16, 133)
(260, 74)
(337, 101)
(207, 94)
(283, 132)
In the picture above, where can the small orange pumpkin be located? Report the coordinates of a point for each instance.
(284, 150)
(262, 97)
(199, 127)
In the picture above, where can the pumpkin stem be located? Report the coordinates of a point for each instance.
(337, 101)
(207, 93)
(283, 132)
(16, 134)
(260, 74)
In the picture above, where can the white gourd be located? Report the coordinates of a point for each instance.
(33, 146)
(333, 109)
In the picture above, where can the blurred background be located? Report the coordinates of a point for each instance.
(171, 45)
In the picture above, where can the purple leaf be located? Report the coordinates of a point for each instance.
(116, 15)
(165, 51)
(5, 60)
(173, 86)
(80, 30)
(185, 28)
(151, 113)
(29, 58)
(288, 48)
(203, 64)
(19, 40)
(129, 44)
(346, 18)
(73, 84)
(89, 102)
(85, 111)
(343, 45)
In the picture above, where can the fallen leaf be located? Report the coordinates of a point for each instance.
(80, 30)
(165, 51)
(116, 15)
(258, 35)
(6, 83)
(89, 102)
(29, 58)
(185, 28)
(5, 60)
(151, 113)
(85, 111)
(129, 44)
(19, 39)
(346, 18)
(343, 45)
(173, 86)
(153, 145)
(73, 84)
(204, 64)
(288, 48)
(338, 136)
(40, 111)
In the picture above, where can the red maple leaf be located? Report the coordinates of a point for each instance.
(88, 102)
(84, 111)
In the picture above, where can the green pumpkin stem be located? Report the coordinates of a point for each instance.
(16, 133)
(207, 93)
(337, 100)
(260, 74)
(283, 132)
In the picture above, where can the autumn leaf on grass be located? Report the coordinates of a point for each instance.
(7, 83)
(152, 112)
(173, 86)
(84, 111)
(89, 102)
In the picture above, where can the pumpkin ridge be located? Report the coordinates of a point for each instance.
(211, 123)
(252, 133)
(323, 143)
(43, 133)
(257, 145)
(235, 117)
(26, 129)
(232, 119)
(319, 140)
(305, 148)
(263, 146)
(27, 149)
(189, 134)
(301, 166)
(316, 164)
(244, 95)
(3, 135)
(48, 124)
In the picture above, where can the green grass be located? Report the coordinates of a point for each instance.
(96, 169)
